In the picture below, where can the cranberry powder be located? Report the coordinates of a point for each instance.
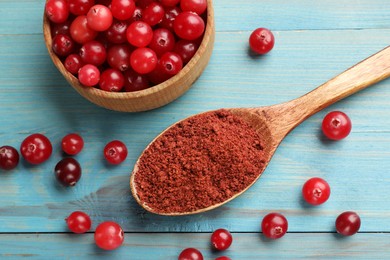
(199, 162)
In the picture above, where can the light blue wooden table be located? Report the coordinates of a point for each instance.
(315, 40)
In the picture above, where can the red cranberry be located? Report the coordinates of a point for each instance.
(68, 171)
(135, 81)
(348, 223)
(78, 222)
(93, 52)
(196, 6)
(99, 18)
(73, 63)
(170, 2)
(189, 26)
(118, 56)
(36, 148)
(190, 254)
(336, 125)
(89, 75)
(111, 80)
(80, 7)
(63, 45)
(171, 63)
(60, 28)
(316, 191)
(57, 10)
(115, 152)
(162, 41)
(9, 157)
(109, 235)
(221, 239)
(72, 144)
(274, 225)
(169, 17)
(261, 41)
(122, 9)
(153, 13)
(186, 49)
(117, 32)
(143, 60)
(139, 34)
(80, 31)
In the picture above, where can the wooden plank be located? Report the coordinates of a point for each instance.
(140, 246)
(276, 15)
(35, 98)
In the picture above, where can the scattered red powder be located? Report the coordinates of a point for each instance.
(199, 162)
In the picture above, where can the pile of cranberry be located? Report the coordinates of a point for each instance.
(125, 45)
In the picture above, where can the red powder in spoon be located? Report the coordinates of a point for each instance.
(199, 162)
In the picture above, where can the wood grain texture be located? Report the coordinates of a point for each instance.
(315, 41)
(164, 246)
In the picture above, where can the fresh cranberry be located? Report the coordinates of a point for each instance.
(186, 49)
(60, 28)
(109, 235)
(190, 254)
(122, 9)
(99, 18)
(73, 63)
(68, 171)
(80, 31)
(117, 32)
(78, 222)
(171, 63)
(153, 13)
(336, 125)
(115, 152)
(189, 26)
(118, 56)
(196, 6)
(63, 45)
(261, 41)
(93, 52)
(221, 239)
(9, 157)
(169, 2)
(103, 2)
(57, 10)
(111, 80)
(89, 75)
(316, 191)
(36, 148)
(144, 3)
(169, 17)
(274, 225)
(223, 258)
(80, 7)
(143, 60)
(158, 75)
(137, 14)
(135, 81)
(162, 41)
(139, 34)
(72, 144)
(348, 223)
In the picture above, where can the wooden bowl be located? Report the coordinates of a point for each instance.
(153, 97)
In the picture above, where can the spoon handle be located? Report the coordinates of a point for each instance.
(367, 72)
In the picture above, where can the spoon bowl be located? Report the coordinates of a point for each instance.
(273, 123)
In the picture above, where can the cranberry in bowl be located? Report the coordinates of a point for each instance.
(129, 58)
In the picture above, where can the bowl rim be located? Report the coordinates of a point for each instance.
(93, 91)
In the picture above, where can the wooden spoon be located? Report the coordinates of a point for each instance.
(274, 122)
